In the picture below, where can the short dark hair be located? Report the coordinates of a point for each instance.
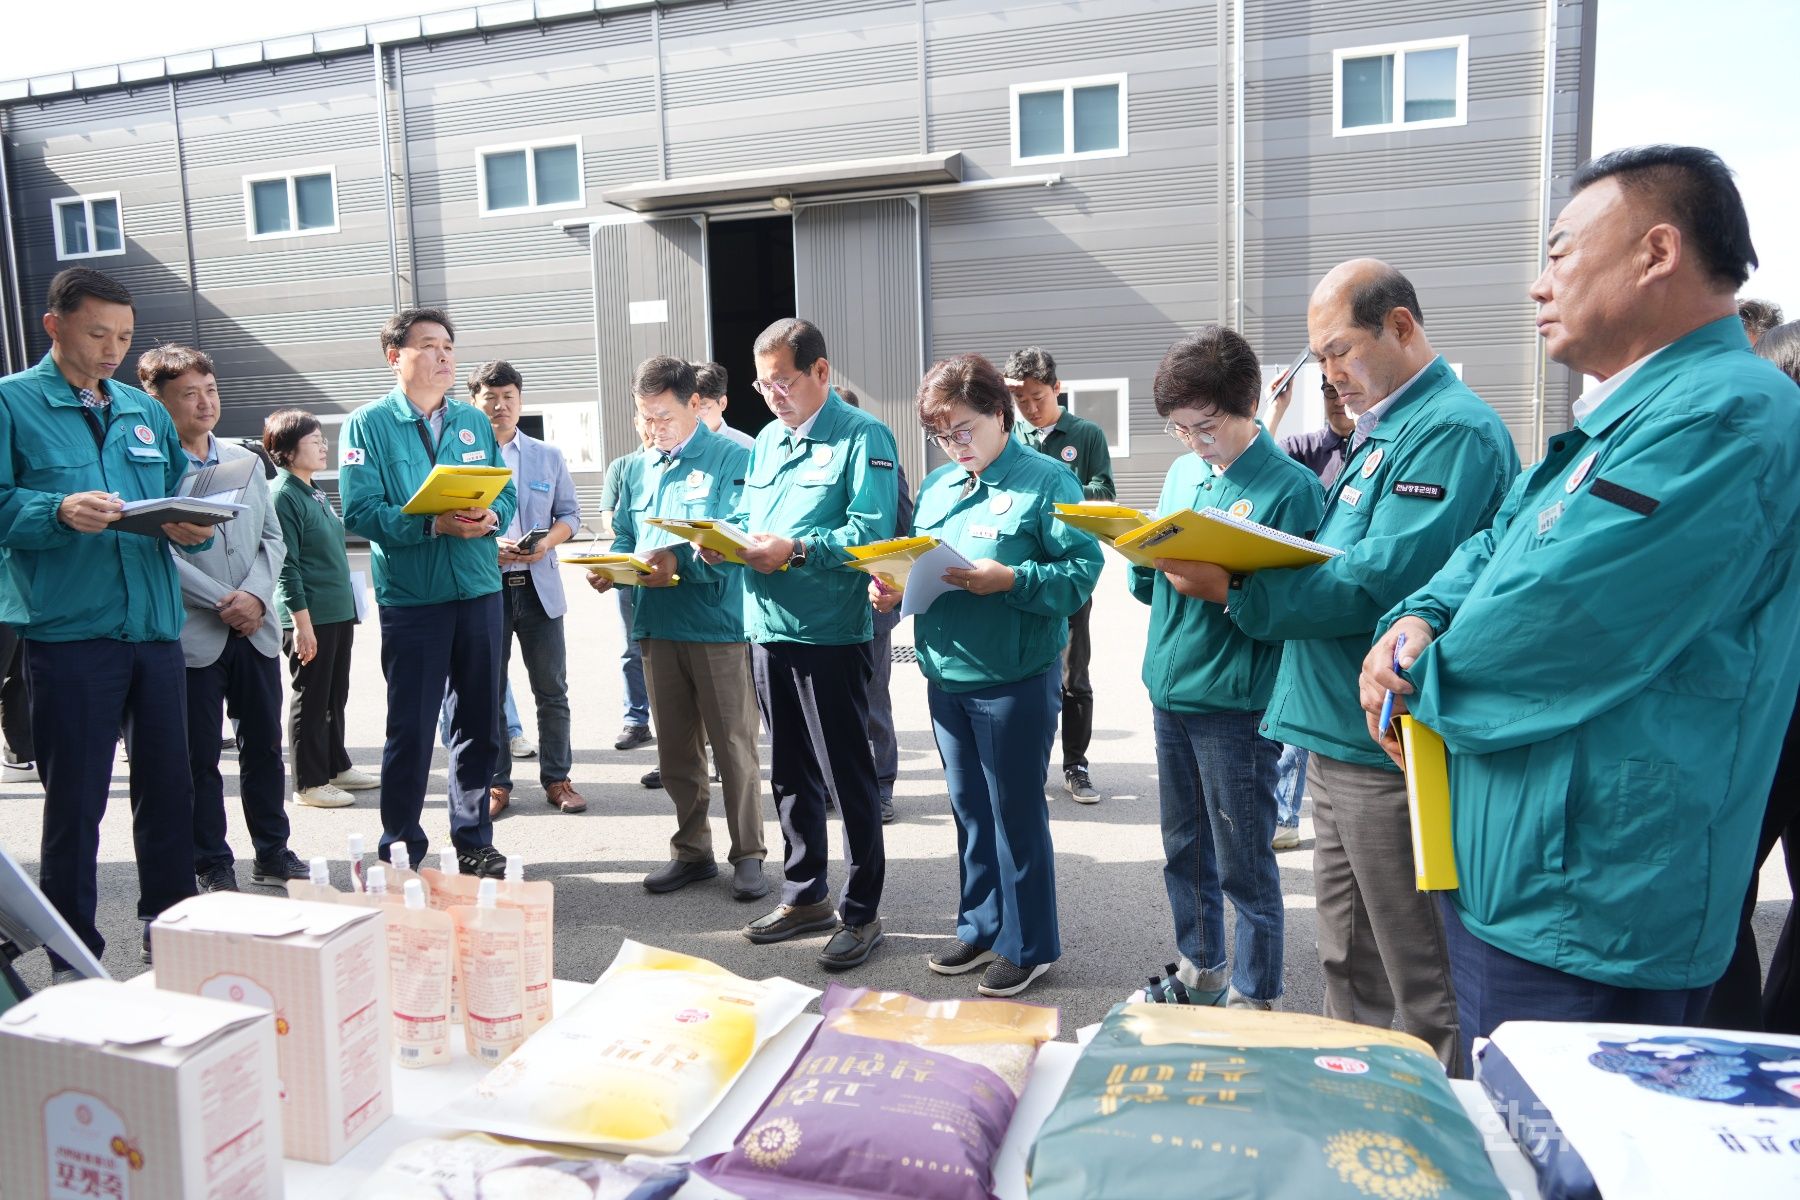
(72, 286)
(1373, 299)
(969, 380)
(710, 379)
(801, 337)
(1211, 368)
(1781, 346)
(655, 376)
(849, 397)
(1691, 188)
(159, 364)
(1759, 316)
(393, 333)
(283, 430)
(1033, 362)
(496, 374)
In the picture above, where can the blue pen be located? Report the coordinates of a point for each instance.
(1387, 699)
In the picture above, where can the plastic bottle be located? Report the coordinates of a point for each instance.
(399, 869)
(421, 946)
(538, 902)
(317, 887)
(377, 894)
(358, 873)
(445, 885)
(490, 958)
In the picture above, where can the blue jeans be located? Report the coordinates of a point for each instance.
(1290, 786)
(995, 744)
(513, 727)
(1217, 778)
(631, 662)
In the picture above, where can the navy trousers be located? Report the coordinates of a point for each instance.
(800, 689)
(440, 657)
(247, 686)
(81, 693)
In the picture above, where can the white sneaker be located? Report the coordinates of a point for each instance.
(19, 772)
(353, 780)
(1287, 837)
(1237, 999)
(524, 747)
(324, 796)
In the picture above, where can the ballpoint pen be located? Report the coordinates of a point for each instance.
(1387, 700)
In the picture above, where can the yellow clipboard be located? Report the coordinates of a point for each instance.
(720, 536)
(625, 570)
(1108, 522)
(449, 488)
(1215, 536)
(891, 560)
(1428, 805)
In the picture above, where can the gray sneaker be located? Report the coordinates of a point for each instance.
(888, 815)
(748, 881)
(1081, 787)
(792, 920)
(677, 874)
(850, 946)
(959, 957)
(1003, 978)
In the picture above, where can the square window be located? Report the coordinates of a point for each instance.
(269, 206)
(1431, 84)
(1040, 124)
(88, 226)
(526, 178)
(1096, 118)
(313, 202)
(1369, 91)
(507, 186)
(557, 172)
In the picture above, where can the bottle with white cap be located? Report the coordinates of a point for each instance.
(317, 886)
(538, 902)
(421, 945)
(358, 872)
(445, 884)
(399, 869)
(490, 959)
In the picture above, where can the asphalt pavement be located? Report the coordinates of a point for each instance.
(1114, 914)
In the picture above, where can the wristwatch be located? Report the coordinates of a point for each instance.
(798, 557)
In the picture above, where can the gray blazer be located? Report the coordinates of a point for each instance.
(546, 498)
(245, 555)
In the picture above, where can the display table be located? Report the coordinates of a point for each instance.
(419, 1094)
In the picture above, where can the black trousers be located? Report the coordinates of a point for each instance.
(81, 693)
(15, 698)
(435, 655)
(316, 715)
(247, 686)
(801, 688)
(1740, 1000)
(1077, 691)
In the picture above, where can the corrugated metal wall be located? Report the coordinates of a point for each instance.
(661, 261)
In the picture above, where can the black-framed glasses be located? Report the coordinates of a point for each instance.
(769, 389)
(962, 435)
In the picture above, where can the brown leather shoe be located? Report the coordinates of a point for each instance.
(498, 799)
(564, 796)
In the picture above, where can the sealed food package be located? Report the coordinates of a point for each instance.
(1256, 1104)
(893, 1096)
(639, 1062)
(479, 1168)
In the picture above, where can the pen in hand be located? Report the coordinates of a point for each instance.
(1387, 699)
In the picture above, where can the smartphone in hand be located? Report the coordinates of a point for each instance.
(530, 541)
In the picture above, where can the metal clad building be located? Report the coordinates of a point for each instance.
(583, 183)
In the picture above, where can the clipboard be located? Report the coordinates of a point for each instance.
(1215, 536)
(1108, 522)
(1428, 804)
(625, 570)
(449, 488)
(721, 537)
(893, 562)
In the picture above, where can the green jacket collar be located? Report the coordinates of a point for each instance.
(402, 409)
(830, 416)
(1011, 454)
(1726, 333)
(1412, 401)
(1244, 467)
(59, 392)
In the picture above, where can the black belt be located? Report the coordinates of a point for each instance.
(516, 578)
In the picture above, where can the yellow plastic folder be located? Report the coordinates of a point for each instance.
(1215, 536)
(625, 570)
(1108, 522)
(722, 537)
(448, 488)
(891, 560)
(1428, 805)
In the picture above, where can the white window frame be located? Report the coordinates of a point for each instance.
(63, 254)
(531, 149)
(1122, 387)
(1068, 87)
(1400, 50)
(293, 204)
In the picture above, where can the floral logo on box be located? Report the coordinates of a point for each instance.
(772, 1143)
(1382, 1165)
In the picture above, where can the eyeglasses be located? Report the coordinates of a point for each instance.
(1189, 434)
(769, 389)
(313, 439)
(962, 435)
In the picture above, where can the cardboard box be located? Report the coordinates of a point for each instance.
(130, 1092)
(322, 970)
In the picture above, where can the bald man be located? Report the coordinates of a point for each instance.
(1427, 466)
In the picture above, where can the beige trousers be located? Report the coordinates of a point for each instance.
(701, 692)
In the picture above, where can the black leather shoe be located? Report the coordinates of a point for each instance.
(633, 737)
(850, 946)
(792, 920)
(672, 876)
(652, 778)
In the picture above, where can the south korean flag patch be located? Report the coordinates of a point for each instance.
(352, 457)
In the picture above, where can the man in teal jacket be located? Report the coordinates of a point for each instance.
(1428, 465)
(437, 581)
(820, 480)
(102, 611)
(689, 618)
(1612, 665)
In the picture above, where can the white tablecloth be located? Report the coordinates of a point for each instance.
(420, 1093)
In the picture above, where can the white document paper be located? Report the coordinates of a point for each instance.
(925, 582)
(359, 588)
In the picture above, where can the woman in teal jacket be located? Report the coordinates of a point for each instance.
(991, 654)
(1209, 681)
